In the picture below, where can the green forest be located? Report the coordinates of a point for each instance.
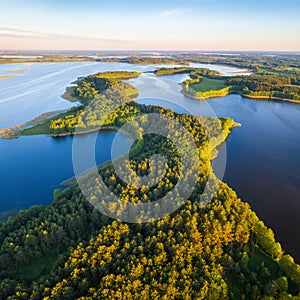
(267, 85)
(96, 93)
(180, 70)
(217, 249)
(206, 84)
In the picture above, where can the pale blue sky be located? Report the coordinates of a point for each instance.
(159, 25)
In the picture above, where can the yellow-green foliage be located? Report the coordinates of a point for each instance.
(190, 70)
(122, 75)
(209, 94)
(91, 86)
(69, 122)
(268, 85)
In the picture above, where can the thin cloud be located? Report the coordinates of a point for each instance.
(171, 13)
(13, 32)
(6, 32)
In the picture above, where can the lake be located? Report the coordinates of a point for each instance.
(263, 156)
(32, 167)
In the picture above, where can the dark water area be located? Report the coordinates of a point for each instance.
(263, 164)
(32, 167)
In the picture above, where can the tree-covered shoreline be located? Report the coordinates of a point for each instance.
(261, 85)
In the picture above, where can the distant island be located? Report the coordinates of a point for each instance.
(205, 84)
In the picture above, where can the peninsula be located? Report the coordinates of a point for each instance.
(216, 251)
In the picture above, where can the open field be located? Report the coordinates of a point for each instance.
(208, 84)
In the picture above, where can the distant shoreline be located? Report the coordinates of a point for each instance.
(10, 76)
(271, 98)
(41, 118)
(242, 95)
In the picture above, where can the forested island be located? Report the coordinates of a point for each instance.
(70, 250)
(105, 87)
(205, 84)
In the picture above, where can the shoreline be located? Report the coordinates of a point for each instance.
(10, 76)
(276, 99)
(267, 98)
(93, 130)
(202, 98)
(67, 95)
(39, 119)
(12, 132)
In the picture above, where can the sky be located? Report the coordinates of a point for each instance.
(212, 25)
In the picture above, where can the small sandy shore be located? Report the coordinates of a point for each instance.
(10, 76)
(67, 95)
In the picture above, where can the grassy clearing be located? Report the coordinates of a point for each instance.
(207, 84)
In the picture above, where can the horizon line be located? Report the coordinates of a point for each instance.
(142, 50)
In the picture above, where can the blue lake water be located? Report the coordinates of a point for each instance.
(263, 156)
(32, 167)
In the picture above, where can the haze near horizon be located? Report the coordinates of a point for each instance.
(169, 25)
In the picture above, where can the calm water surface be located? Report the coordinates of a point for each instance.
(32, 167)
